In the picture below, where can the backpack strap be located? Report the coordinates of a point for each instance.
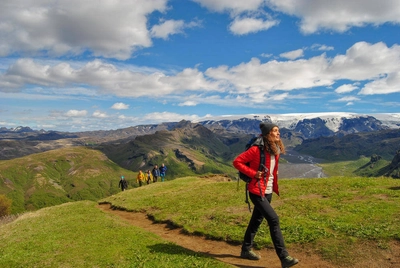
(261, 168)
(246, 192)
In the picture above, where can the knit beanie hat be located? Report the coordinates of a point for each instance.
(266, 128)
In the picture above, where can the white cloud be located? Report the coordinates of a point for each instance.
(167, 28)
(292, 55)
(76, 113)
(188, 103)
(234, 6)
(246, 15)
(120, 106)
(99, 114)
(109, 30)
(167, 117)
(321, 47)
(241, 26)
(364, 61)
(346, 88)
(338, 15)
(280, 97)
(390, 83)
(374, 64)
(266, 55)
(104, 76)
(255, 76)
(170, 27)
(348, 99)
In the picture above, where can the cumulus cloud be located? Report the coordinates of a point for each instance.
(241, 26)
(234, 6)
(362, 62)
(120, 106)
(105, 30)
(188, 103)
(375, 65)
(167, 28)
(346, 88)
(292, 55)
(248, 16)
(347, 99)
(99, 114)
(339, 15)
(107, 78)
(76, 113)
(170, 27)
(385, 85)
(255, 76)
(365, 61)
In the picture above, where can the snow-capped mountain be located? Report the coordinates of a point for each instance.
(310, 125)
(333, 120)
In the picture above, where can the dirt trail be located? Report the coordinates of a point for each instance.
(217, 249)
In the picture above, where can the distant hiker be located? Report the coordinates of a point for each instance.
(163, 170)
(123, 184)
(149, 177)
(156, 173)
(260, 188)
(140, 178)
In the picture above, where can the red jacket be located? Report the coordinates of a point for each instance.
(252, 156)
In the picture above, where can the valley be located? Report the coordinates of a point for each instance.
(300, 166)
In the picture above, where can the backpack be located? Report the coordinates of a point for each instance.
(255, 141)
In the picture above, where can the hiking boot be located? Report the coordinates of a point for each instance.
(289, 262)
(249, 254)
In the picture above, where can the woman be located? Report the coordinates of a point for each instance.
(261, 187)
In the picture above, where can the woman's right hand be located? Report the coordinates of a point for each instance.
(259, 175)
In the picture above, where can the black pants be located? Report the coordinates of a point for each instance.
(263, 209)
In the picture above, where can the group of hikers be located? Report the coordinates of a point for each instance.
(146, 177)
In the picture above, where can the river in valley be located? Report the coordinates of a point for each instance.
(300, 166)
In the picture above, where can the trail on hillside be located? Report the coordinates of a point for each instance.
(219, 250)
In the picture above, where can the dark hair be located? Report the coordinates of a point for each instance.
(274, 147)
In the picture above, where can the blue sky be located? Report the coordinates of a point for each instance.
(74, 65)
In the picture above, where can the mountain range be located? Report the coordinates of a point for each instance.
(186, 147)
(295, 129)
(310, 125)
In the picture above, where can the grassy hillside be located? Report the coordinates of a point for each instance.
(332, 217)
(350, 147)
(361, 167)
(59, 176)
(326, 216)
(191, 150)
(78, 235)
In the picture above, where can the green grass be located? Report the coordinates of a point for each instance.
(58, 176)
(360, 167)
(314, 213)
(333, 217)
(81, 235)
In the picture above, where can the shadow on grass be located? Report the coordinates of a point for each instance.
(174, 249)
(395, 188)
